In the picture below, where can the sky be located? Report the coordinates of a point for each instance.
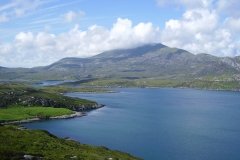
(40, 32)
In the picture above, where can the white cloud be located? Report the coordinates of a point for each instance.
(178, 33)
(3, 17)
(24, 40)
(6, 49)
(228, 7)
(19, 12)
(201, 28)
(189, 4)
(47, 27)
(72, 16)
(232, 24)
(7, 6)
(17, 8)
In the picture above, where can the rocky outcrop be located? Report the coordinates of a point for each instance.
(76, 114)
(22, 121)
(86, 108)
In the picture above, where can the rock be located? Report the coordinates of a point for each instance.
(28, 156)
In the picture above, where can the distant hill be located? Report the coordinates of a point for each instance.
(148, 61)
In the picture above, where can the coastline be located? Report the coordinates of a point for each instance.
(76, 114)
(95, 92)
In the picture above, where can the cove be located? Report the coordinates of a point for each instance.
(158, 123)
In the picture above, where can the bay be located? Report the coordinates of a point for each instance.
(158, 123)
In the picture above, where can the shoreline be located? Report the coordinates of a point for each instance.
(94, 92)
(76, 114)
(194, 88)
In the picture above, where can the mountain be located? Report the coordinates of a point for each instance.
(147, 61)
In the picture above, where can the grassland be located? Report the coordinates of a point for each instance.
(17, 142)
(16, 113)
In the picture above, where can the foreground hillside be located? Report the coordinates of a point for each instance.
(148, 61)
(20, 143)
(21, 102)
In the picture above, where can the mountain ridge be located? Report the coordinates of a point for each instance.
(147, 61)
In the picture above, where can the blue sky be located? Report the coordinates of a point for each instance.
(40, 32)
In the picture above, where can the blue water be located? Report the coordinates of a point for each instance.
(158, 123)
(48, 83)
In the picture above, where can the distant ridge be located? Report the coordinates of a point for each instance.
(147, 61)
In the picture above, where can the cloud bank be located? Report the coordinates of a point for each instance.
(43, 48)
(201, 29)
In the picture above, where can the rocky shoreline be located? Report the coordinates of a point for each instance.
(87, 108)
(76, 114)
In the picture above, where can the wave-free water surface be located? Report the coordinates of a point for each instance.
(158, 123)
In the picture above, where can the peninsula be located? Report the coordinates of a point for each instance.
(21, 103)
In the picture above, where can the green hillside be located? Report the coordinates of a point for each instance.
(18, 142)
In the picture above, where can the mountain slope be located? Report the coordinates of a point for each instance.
(148, 61)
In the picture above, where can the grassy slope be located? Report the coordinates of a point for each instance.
(16, 93)
(15, 143)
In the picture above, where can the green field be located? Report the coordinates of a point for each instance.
(17, 142)
(21, 113)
